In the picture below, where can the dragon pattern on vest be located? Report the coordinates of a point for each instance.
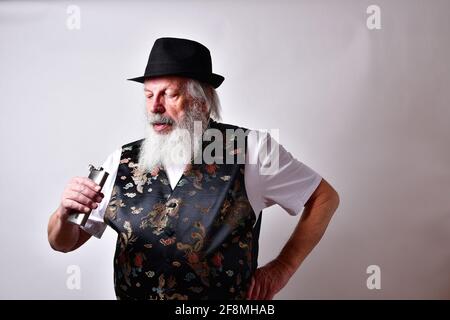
(197, 241)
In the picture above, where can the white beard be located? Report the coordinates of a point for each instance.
(176, 148)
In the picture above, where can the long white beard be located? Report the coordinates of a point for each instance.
(176, 148)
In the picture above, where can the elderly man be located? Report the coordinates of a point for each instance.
(189, 229)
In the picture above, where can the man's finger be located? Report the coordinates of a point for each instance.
(263, 291)
(250, 290)
(71, 204)
(255, 293)
(81, 198)
(84, 190)
(268, 293)
(88, 182)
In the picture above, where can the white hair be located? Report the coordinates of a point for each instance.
(205, 93)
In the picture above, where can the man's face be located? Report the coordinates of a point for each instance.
(166, 101)
(172, 135)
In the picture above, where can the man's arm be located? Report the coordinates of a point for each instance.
(65, 236)
(319, 209)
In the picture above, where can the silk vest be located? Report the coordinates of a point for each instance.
(197, 241)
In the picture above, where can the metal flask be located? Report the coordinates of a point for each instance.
(98, 175)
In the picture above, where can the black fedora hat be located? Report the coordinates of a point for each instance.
(180, 57)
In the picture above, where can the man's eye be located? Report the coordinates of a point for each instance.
(171, 94)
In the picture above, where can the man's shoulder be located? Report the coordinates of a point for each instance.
(129, 149)
(225, 126)
(132, 145)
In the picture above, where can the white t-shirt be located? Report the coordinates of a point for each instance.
(290, 186)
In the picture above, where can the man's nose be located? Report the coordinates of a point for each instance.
(157, 106)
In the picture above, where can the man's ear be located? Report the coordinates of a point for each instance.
(205, 107)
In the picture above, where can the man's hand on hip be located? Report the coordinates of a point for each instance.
(268, 280)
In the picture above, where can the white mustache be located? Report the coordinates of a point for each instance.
(159, 119)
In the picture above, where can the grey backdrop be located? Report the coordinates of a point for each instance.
(367, 109)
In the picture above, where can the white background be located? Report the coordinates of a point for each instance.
(367, 109)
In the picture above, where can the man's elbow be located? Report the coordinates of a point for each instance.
(334, 200)
(331, 197)
(59, 248)
(325, 194)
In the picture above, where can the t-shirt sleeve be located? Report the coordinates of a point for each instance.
(95, 224)
(283, 179)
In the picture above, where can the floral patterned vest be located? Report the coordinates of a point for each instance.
(198, 241)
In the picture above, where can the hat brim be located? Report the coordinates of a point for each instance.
(213, 79)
